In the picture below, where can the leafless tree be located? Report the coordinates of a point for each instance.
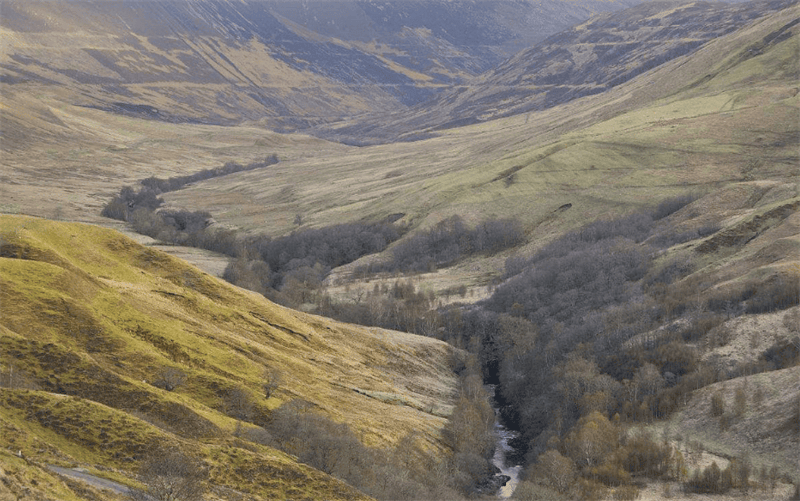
(272, 380)
(170, 475)
(238, 403)
(169, 378)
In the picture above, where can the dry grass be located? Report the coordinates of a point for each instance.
(608, 154)
(766, 433)
(89, 312)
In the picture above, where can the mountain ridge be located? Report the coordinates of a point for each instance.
(222, 62)
(590, 58)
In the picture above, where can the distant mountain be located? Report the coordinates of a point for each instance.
(288, 63)
(586, 59)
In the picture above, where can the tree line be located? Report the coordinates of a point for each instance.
(128, 199)
(447, 242)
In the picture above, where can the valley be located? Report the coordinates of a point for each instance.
(597, 216)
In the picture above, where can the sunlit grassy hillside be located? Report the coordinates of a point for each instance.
(90, 321)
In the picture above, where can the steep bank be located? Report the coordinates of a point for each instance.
(109, 346)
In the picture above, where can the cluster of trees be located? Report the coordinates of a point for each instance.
(128, 200)
(407, 471)
(291, 269)
(288, 269)
(447, 242)
(177, 182)
(181, 227)
(598, 457)
(572, 338)
(295, 256)
(401, 306)
(469, 433)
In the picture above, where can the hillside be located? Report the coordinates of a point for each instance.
(90, 322)
(726, 114)
(282, 63)
(638, 317)
(586, 59)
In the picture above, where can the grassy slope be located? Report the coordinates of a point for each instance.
(693, 138)
(727, 114)
(90, 313)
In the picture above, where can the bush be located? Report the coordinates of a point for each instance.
(170, 475)
(169, 378)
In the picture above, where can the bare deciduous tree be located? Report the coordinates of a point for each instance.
(272, 380)
(170, 475)
(169, 378)
(238, 403)
(560, 471)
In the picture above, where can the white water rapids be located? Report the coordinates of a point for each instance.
(502, 452)
(501, 461)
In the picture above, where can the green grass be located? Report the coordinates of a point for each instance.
(92, 314)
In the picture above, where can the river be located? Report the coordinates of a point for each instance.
(505, 458)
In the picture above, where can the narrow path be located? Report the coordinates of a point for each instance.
(100, 483)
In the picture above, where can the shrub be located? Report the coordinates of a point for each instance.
(169, 378)
(170, 475)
